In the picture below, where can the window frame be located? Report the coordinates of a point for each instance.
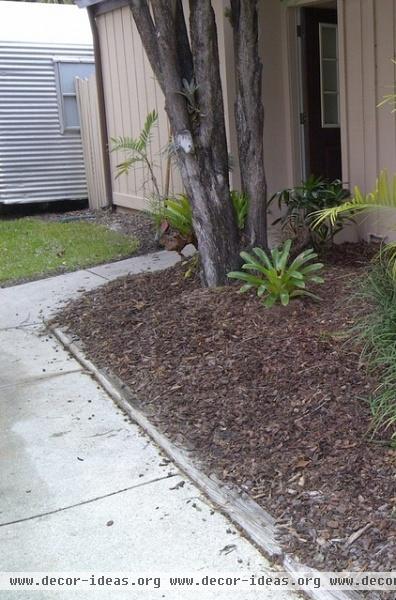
(323, 92)
(58, 60)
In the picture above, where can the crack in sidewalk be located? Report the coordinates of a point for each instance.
(40, 378)
(97, 275)
(21, 326)
(90, 501)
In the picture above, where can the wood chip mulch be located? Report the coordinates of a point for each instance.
(270, 400)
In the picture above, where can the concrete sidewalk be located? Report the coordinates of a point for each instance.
(82, 488)
(30, 303)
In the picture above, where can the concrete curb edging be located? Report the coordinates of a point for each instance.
(257, 524)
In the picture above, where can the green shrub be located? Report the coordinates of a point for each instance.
(176, 212)
(314, 194)
(275, 279)
(377, 331)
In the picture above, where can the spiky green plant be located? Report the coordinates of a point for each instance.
(178, 213)
(383, 198)
(274, 278)
(240, 203)
(376, 331)
(137, 149)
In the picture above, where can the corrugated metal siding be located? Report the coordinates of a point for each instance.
(37, 162)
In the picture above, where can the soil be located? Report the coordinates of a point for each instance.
(270, 400)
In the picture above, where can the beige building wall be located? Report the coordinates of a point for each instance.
(367, 32)
(367, 43)
(131, 92)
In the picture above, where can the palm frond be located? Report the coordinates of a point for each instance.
(147, 131)
(383, 196)
(140, 143)
(126, 144)
(123, 168)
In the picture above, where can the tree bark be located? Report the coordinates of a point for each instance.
(249, 116)
(197, 122)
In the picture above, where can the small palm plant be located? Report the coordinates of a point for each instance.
(274, 278)
(138, 150)
(383, 197)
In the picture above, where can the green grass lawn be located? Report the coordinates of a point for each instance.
(32, 248)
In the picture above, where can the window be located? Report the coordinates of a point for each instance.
(66, 71)
(329, 81)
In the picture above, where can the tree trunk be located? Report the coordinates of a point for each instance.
(249, 116)
(197, 121)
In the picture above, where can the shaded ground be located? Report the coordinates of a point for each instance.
(33, 248)
(270, 400)
(133, 223)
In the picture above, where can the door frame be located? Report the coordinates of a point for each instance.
(294, 65)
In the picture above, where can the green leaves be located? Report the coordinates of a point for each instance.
(375, 331)
(135, 148)
(383, 197)
(274, 278)
(177, 212)
(301, 202)
(240, 203)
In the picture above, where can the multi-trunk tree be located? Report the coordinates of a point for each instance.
(185, 60)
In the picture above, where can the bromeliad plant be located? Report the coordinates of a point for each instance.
(274, 278)
(174, 220)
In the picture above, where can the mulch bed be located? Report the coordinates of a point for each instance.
(270, 400)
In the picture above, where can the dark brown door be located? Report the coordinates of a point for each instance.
(323, 140)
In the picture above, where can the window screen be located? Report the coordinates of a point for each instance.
(329, 81)
(66, 72)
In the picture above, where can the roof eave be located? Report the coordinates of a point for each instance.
(86, 3)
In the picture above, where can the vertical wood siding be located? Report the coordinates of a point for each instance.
(88, 107)
(131, 92)
(367, 45)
